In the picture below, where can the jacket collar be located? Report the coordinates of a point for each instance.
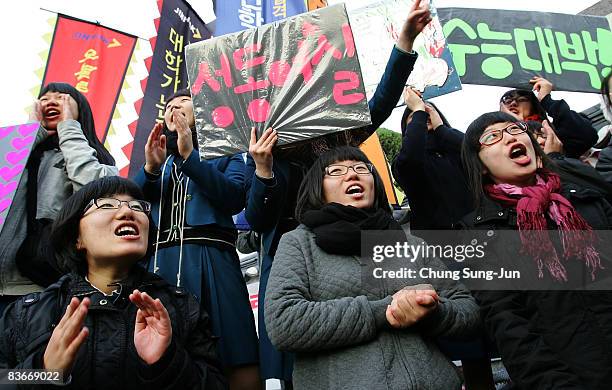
(137, 279)
(489, 211)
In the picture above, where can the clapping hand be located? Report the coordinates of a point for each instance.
(153, 329)
(67, 337)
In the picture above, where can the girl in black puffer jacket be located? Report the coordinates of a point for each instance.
(109, 323)
(553, 325)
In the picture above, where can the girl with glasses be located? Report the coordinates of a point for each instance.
(272, 181)
(552, 327)
(108, 322)
(318, 305)
(576, 133)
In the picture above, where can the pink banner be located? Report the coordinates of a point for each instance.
(15, 146)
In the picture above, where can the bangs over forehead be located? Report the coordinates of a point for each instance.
(179, 93)
(478, 126)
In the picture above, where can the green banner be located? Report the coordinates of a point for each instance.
(507, 48)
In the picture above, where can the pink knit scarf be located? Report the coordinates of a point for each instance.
(532, 204)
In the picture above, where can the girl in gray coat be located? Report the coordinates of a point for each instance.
(350, 330)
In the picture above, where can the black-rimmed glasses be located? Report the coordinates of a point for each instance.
(491, 137)
(341, 170)
(111, 203)
(508, 100)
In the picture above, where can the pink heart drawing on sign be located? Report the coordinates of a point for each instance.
(20, 143)
(4, 204)
(9, 173)
(7, 189)
(14, 157)
(28, 129)
(4, 131)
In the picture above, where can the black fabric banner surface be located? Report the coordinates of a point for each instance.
(507, 48)
(179, 26)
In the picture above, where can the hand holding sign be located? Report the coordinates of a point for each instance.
(413, 100)
(542, 86)
(261, 151)
(418, 18)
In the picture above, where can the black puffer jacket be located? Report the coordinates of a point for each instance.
(428, 168)
(548, 339)
(108, 358)
(573, 129)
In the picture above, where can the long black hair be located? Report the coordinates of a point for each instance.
(85, 118)
(310, 194)
(474, 168)
(65, 229)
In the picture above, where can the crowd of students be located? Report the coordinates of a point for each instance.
(137, 283)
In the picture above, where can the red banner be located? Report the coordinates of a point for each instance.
(94, 60)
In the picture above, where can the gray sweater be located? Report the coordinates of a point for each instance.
(61, 173)
(317, 307)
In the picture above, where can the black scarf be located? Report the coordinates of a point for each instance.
(172, 141)
(337, 228)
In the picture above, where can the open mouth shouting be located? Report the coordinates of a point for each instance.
(355, 191)
(127, 231)
(51, 114)
(518, 154)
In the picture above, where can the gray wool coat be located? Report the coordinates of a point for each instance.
(317, 307)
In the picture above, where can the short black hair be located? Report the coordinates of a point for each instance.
(470, 148)
(536, 106)
(85, 118)
(408, 111)
(180, 92)
(65, 229)
(310, 194)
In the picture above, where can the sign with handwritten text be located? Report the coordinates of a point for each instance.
(300, 76)
(507, 48)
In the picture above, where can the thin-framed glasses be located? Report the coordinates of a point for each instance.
(507, 100)
(111, 203)
(341, 170)
(491, 137)
(540, 133)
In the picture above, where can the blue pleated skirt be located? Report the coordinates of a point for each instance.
(214, 277)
